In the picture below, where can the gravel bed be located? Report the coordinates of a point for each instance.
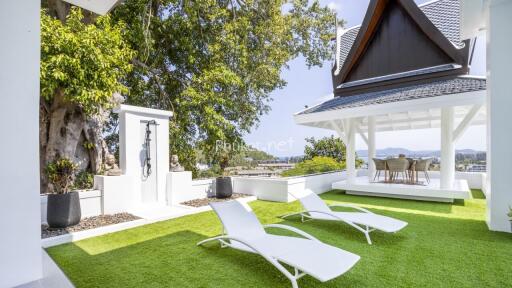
(88, 223)
(204, 201)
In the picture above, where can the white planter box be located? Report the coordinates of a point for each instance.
(277, 189)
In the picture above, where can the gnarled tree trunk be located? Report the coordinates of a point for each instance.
(66, 132)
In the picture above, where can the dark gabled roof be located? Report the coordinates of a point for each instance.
(444, 14)
(434, 89)
(396, 36)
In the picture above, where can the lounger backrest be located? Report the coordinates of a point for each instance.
(238, 219)
(311, 201)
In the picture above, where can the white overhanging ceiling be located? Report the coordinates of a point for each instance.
(404, 115)
(100, 7)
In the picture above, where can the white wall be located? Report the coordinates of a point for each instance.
(277, 189)
(270, 189)
(90, 204)
(193, 189)
(116, 192)
(111, 195)
(20, 244)
(499, 104)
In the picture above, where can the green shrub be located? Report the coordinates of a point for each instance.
(84, 180)
(60, 174)
(318, 164)
(214, 171)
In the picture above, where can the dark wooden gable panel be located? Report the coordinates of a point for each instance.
(397, 45)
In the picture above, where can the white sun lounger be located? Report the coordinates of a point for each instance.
(307, 255)
(364, 220)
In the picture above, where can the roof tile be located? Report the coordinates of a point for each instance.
(434, 89)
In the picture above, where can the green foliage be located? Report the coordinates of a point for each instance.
(318, 164)
(258, 155)
(215, 62)
(212, 172)
(83, 62)
(223, 162)
(83, 180)
(248, 157)
(510, 213)
(331, 147)
(328, 147)
(60, 174)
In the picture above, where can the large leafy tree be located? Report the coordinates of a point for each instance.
(331, 147)
(215, 62)
(83, 60)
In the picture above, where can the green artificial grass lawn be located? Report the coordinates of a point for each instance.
(444, 245)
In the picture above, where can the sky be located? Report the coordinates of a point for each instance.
(278, 134)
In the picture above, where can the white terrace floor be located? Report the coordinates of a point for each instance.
(430, 192)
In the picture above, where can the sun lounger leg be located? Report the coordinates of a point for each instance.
(367, 234)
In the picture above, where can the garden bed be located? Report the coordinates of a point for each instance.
(205, 201)
(88, 223)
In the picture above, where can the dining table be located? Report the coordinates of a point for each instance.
(412, 174)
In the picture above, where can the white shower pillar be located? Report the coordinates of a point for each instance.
(371, 146)
(447, 148)
(132, 121)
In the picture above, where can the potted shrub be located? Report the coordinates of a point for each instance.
(223, 185)
(63, 207)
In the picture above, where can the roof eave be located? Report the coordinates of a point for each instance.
(449, 100)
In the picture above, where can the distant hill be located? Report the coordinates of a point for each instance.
(393, 151)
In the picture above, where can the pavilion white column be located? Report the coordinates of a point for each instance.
(371, 146)
(350, 137)
(20, 206)
(499, 102)
(447, 148)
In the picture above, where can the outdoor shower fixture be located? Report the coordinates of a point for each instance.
(146, 171)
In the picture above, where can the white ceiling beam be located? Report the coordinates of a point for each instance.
(363, 136)
(358, 130)
(466, 122)
(338, 130)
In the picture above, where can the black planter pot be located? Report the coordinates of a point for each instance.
(223, 187)
(63, 210)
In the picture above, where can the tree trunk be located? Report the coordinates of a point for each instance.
(66, 132)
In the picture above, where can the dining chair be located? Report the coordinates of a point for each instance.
(380, 165)
(397, 167)
(423, 165)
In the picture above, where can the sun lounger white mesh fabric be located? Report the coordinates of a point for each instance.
(312, 202)
(238, 219)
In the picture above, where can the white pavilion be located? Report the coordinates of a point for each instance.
(406, 67)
